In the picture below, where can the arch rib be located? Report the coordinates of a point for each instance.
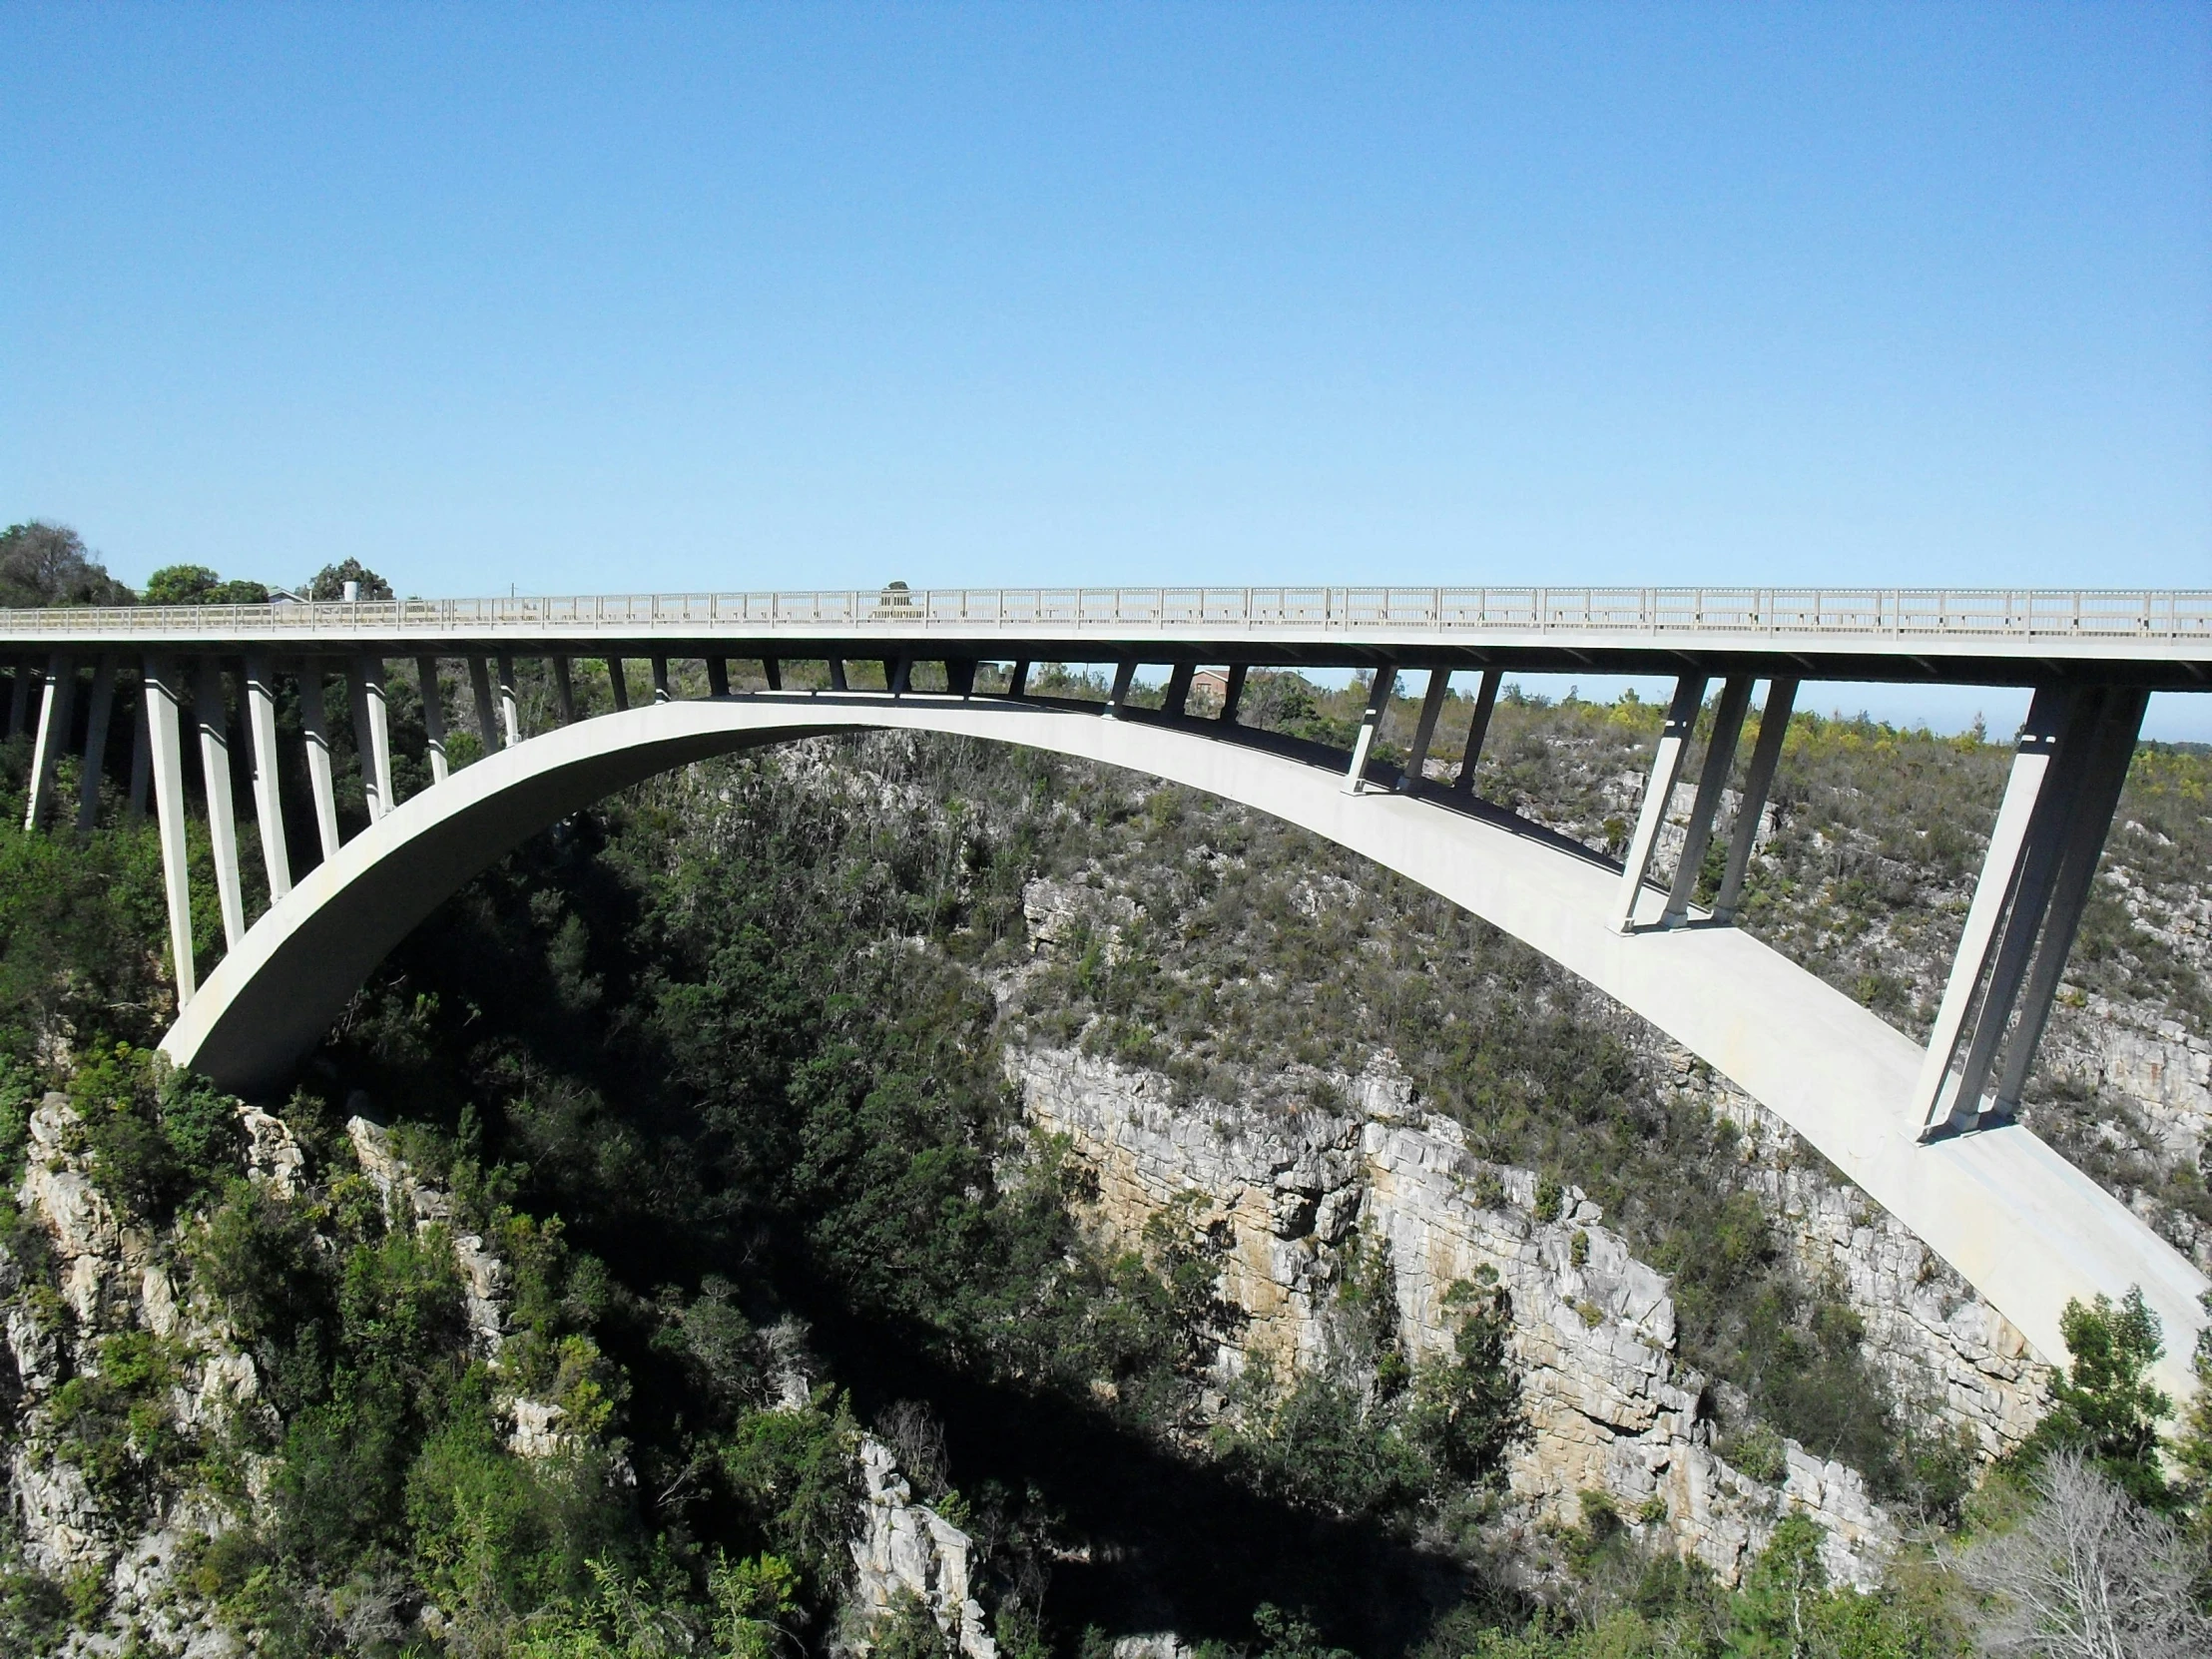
(2026, 1228)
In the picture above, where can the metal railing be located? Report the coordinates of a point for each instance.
(1837, 613)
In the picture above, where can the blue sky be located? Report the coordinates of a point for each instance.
(582, 299)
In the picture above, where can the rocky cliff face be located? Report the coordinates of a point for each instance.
(1282, 1197)
(118, 1550)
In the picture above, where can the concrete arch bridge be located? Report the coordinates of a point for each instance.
(1927, 1131)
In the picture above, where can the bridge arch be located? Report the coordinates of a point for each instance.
(2016, 1221)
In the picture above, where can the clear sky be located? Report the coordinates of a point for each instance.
(585, 299)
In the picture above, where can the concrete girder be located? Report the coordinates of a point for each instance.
(1720, 759)
(1425, 729)
(364, 679)
(510, 701)
(1478, 729)
(97, 717)
(56, 709)
(1370, 723)
(1666, 768)
(432, 694)
(269, 806)
(2012, 844)
(315, 725)
(2026, 1228)
(164, 699)
(211, 714)
(1766, 754)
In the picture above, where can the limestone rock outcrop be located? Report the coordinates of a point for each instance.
(112, 1280)
(906, 1547)
(1282, 1194)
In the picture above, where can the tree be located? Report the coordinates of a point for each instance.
(329, 582)
(2193, 1447)
(198, 585)
(46, 564)
(2104, 1405)
(2087, 1574)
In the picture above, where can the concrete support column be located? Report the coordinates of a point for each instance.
(1666, 768)
(166, 765)
(314, 725)
(1774, 725)
(898, 674)
(364, 684)
(1179, 690)
(510, 705)
(718, 677)
(19, 696)
(1478, 729)
(55, 711)
(618, 682)
(1720, 759)
(1425, 729)
(1232, 693)
(268, 803)
(661, 693)
(564, 692)
(210, 711)
(95, 744)
(1017, 677)
(487, 716)
(142, 760)
(773, 672)
(960, 676)
(1371, 721)
(433, 718)
(2099, 797)
(836, 675)
(1125, 674)
(2048, 717)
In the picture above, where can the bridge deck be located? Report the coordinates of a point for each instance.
(2006, 635)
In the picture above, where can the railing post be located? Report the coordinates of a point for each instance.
(1666, 768)
(164, 762)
